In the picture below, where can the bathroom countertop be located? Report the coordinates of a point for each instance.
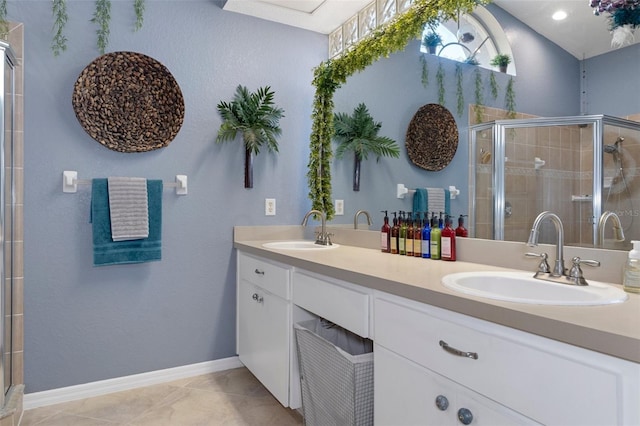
(610, 329)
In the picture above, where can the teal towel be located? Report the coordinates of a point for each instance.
(447, 202)
(420, 200)
(109, 252)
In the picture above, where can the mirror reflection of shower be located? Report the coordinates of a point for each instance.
(618, 183)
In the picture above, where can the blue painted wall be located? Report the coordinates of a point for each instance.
(84, 324)
(612, 82)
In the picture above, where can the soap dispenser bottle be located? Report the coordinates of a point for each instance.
(409, 244)
(395, 233)
(631, 277)
(402, 237)
(448, 241)
(417, 236)
(385, 234)
(426, 237)
(435, 238)
(461, 231)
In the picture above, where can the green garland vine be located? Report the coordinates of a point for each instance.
(479, 107)
(440, 80)
(493, 84)
(425, 71)
(459, 91)
(138, 7)
(59, 42)
(510, 99)
(4, 24)
(102, 17)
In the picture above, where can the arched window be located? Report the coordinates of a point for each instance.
(475, 38)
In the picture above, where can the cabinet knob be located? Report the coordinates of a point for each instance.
(442, 402)
(465, 416)
(257, 298)
(259, 272)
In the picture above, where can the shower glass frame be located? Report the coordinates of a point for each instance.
(499, 130)
(7, 217)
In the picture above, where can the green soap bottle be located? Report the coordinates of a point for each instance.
(402, 238)
(436, 235)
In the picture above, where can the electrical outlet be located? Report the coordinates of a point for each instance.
(339, 208)
(269, 206)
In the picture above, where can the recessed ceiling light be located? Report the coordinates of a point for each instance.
(559, 15)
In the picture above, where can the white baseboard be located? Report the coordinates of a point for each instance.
(103, 387)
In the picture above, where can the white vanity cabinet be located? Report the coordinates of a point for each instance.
(264, 331)
(500, 375)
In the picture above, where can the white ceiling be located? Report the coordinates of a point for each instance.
(582, 34)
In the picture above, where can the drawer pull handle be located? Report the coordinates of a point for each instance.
(442, 402)
(259, 272)
(457, 352)
(257, 298)
(465, 416)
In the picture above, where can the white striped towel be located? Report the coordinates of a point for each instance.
(128, 208)
(436, 200)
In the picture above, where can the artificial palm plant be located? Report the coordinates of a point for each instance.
(256, 117)
(359, 133)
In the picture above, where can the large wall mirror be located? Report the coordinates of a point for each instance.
(550, 82)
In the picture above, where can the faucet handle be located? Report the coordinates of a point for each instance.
(544, 265)
(575, 274)
(329, 235)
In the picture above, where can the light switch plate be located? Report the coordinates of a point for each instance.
(339, 207)
(269, 206)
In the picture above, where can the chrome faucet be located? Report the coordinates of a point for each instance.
(322, 238)
(558, 268)
(618, 233)
(559, 274)
(358, 213)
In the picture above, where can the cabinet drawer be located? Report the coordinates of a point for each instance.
(406, 394)
(338, 302)
(269, 276)
(531, 374)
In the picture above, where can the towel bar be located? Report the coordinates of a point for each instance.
(70, 183)
(401, 190)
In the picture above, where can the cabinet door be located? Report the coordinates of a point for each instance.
(263, 338)
(409, 394)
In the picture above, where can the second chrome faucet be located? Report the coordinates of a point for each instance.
(322, 238)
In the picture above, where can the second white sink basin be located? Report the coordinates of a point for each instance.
(297, 245)
(521, 287)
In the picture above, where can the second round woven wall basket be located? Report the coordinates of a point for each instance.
(432, 137)
(128, 102)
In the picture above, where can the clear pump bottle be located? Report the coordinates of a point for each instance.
(631, 277)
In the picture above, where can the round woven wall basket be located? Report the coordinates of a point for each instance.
(432, 137)
(128, 102)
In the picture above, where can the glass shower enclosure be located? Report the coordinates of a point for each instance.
(577, 167)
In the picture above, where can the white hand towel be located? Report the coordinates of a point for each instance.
(128, 208)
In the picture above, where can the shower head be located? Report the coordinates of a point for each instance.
(615, 148)
(610, 149)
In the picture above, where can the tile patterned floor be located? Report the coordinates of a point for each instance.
(232, 397)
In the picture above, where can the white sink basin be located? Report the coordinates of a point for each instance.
(521, 287)
(297, 245)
